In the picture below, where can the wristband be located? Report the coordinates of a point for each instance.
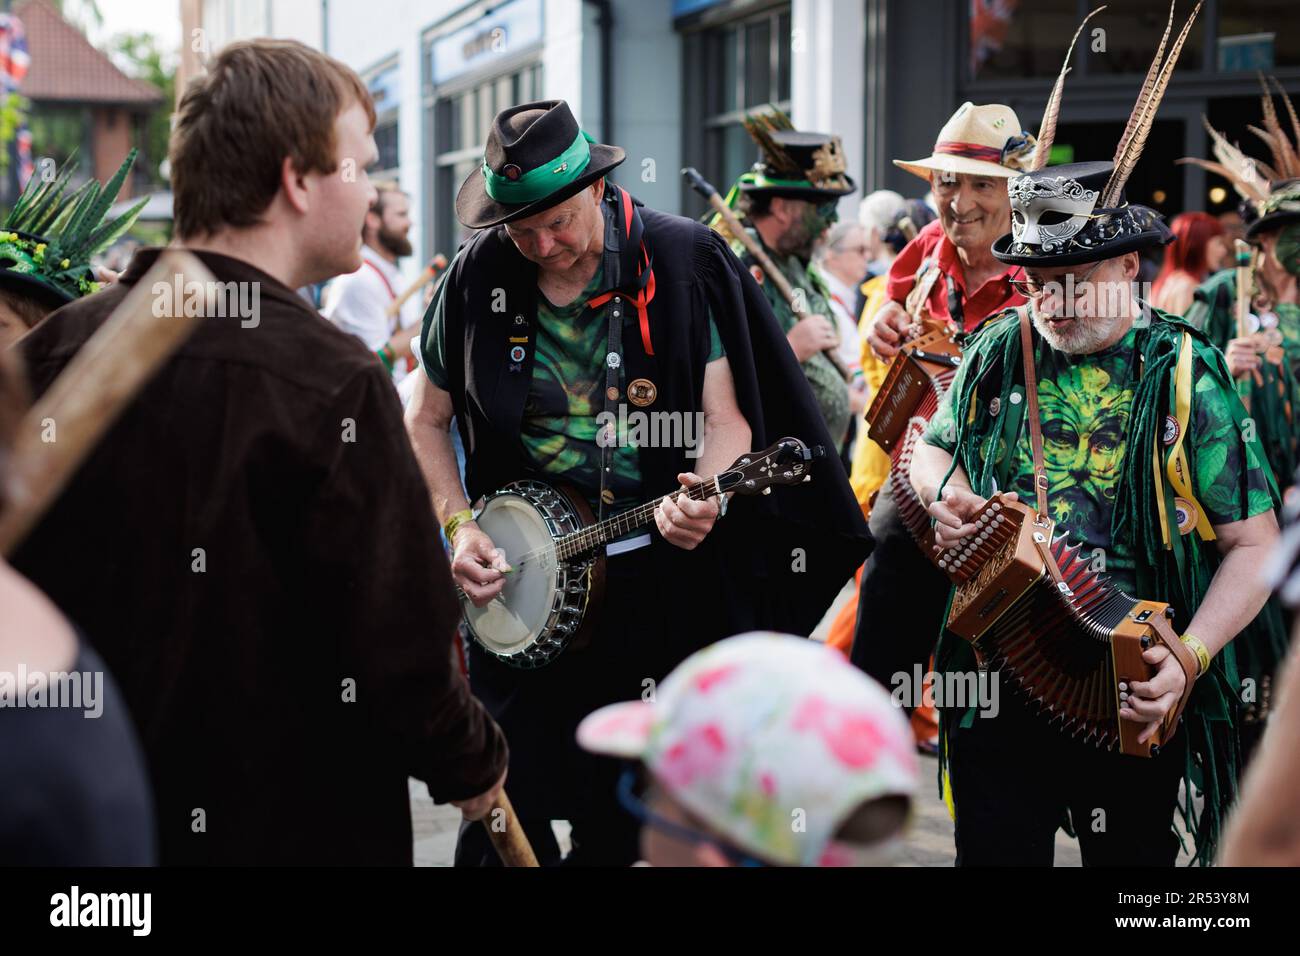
(1198, 648)
(387, 357)
(454, 522)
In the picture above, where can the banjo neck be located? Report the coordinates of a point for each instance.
(603, 532)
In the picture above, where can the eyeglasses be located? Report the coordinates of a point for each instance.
(1032, 288)
(633, 804)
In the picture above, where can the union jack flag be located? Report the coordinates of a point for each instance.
(14, 62)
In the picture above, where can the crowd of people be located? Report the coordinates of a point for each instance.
(278, 553)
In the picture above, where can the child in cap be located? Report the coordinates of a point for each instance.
(763, 749)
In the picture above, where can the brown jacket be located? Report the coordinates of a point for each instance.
(252, 551)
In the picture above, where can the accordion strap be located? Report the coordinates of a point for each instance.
(1035, 425)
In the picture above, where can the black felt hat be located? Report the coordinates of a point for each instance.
(536, 157)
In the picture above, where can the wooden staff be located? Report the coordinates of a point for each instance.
(1245, 286)
(510, 841)
(431, 271)
(1244, 283)
(705, 189)
(67, 422)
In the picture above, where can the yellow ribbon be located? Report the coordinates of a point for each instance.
(1176, 465)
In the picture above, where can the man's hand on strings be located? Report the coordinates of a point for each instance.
(477, 565)
(685, 522)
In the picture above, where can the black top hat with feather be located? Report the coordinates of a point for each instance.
(795, 164)
(1077, 213)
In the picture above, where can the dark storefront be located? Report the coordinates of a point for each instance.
(925, 59)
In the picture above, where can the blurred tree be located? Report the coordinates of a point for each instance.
(139, 55)
(82, 14)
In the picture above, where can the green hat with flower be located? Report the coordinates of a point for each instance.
(50, 236)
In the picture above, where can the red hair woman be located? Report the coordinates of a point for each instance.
(1185, 266)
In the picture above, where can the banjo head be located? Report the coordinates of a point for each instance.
(516, 618)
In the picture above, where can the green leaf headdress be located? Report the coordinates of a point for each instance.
(50, 236)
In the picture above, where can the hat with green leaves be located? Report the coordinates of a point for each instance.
(50, 236)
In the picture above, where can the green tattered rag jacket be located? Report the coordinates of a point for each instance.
(1170, 566)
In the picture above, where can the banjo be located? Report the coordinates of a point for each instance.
(555, 549)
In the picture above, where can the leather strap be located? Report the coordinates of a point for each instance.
(613, 361)
(1035, 425)
(1191, 670)
(919, 297)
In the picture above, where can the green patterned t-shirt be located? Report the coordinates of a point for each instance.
(566, 398)
(1084, 404)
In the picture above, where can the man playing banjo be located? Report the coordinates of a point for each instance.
(570, 304)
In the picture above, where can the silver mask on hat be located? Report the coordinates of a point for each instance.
(1047, 211)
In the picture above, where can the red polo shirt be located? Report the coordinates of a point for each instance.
(995, 295)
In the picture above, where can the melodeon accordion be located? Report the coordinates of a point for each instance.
(918, 378)
(1036, 611)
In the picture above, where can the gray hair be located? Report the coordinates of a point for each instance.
(881, 209)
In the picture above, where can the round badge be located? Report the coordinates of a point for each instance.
(995, 406)
(757, 273)
(1268, 320)
(642, 392)
(613, 360)
(1015, 398)
(1186, 514)
(517, 353)
(1252, 322)
(611, 393)
(1170, 433)
(511, 172)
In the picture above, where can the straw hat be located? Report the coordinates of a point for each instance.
(978, 140)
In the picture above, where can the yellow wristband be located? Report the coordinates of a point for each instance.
(1200, 650)
(454, 522)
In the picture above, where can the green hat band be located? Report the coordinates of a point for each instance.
(544, 180)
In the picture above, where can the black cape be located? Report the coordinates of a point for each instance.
(776, 561)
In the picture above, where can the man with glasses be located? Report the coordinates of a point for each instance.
(947, 273)
(1152, 470)
(787, 201)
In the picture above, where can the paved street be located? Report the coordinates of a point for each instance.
(929, 840)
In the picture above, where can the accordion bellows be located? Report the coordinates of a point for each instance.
(918, 378)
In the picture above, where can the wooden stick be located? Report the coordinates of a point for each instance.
(67, 422)
(705, 189)
(1244, 283)
(430, 273)
(510, 841)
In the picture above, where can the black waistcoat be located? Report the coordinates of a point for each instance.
(490, 310)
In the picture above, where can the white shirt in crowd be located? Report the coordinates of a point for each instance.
(358, 303)
(843, 298)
